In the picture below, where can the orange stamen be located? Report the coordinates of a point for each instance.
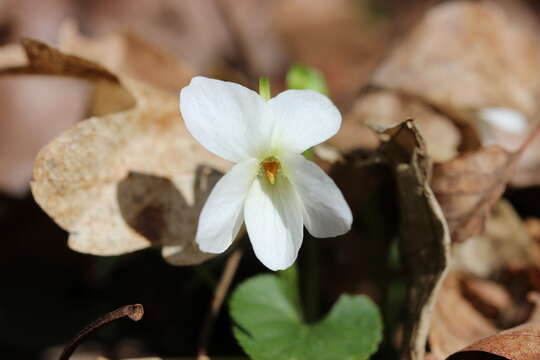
(270, 170)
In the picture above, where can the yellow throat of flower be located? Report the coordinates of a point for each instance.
(271, 168)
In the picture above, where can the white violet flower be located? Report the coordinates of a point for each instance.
(272, 187)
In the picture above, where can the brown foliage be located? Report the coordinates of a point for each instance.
(424, 238)
(121, 181)
(469, 185)
(519, 343)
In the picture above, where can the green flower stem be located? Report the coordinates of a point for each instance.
(264, 88)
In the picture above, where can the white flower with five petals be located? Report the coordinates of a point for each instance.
(272, 187)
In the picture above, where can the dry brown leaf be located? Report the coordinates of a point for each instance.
(353, 262)
(129, 55)
(533, 228)
(424, 238)
(504, 244)
(465, 56)
(468, 186)
(127, 180)
(383, 109)
(488, 297)
(29, 111)
(398, 176)
(30, 117)
(461, 316)
(41, 59)
(528, 168)
(342, 38)
(204, 32)
(11, 55)
(193, 30)
(455, 322)
(256, 42)
(519, 343)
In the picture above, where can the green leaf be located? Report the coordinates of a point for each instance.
(305, 77)
(269, 326)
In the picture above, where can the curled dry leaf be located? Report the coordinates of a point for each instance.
(493, 60)
(126, 180)
(493, 55)
(455, 322)
(505, 243)
(488, 297)
(470, 303)
(40, 59)
(400, 168)
(379, 108)
(352, 262)
(509, 129)
(129, 55)
(424, 237)
(519, 343)
(468, 186)
(22, 133)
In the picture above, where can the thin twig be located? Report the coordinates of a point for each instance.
(135, 312)
(219, 295)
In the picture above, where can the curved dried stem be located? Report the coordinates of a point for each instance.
(135, 312)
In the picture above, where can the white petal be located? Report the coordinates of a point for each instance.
(228, 119)
(505, 119)
(304, 118)
(273, 215)
(326, 213)
(221, 216)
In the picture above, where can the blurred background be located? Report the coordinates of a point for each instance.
(49, 292)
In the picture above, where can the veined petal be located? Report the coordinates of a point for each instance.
(221, 216)
(273, 215)
(326, 213)
(228, 119)
(303, 118)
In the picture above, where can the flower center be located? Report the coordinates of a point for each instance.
(270, 168)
